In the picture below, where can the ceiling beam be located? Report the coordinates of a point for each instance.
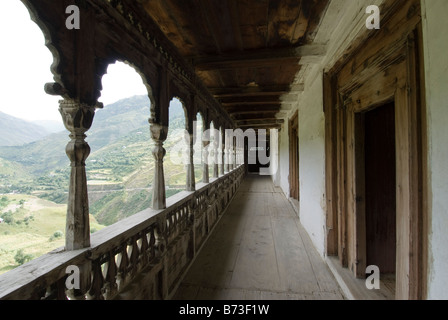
(257, 58)
(257, 108)
(235, 17)
(258, 116)
(259, 122)
(255, 90)
(258, 127)
(266, 104)
(211, 23)
(252, 99)
(252, 112)
(255, 119)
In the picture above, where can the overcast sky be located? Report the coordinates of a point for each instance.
(25, 68)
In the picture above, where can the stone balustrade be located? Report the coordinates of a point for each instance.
(141, 257)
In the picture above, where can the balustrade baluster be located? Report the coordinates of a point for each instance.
(134, 255)
(144, 258)
(111, 275)
(152, 242)
(96, 290)
(123, 267)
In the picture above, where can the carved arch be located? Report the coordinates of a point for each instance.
(180, 93)
(48, 33)
(101, 68)
(184, 107)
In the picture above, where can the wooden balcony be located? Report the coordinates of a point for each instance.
(223, 241)
(141, 257)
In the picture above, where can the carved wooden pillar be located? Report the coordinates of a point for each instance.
(240, 151)
(205, 153)
(215, 153)
(226, 151)
(222, 151)
(237, 151)
(231, 153)
(77, 118)
(158, 134)
(191, 184)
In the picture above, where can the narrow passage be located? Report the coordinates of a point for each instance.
(259, 250)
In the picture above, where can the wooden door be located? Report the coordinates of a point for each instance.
(294, 157)
(380, 188)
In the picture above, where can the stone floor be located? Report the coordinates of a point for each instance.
(259, 250)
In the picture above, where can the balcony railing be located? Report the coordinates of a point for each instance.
(141, 257)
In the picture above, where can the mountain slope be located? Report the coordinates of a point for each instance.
(121, 158)
(110, 124)
(51, 126)
(16, 132)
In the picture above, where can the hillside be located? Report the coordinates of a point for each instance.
(32, 226)
(51, 126)
(35, 178)
(17, 132)
(119, 168)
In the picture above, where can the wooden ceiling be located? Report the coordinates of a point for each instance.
(247, 52)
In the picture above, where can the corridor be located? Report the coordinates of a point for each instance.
(259, 251)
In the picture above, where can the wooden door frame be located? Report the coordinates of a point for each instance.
(393, 73)
(294, 163)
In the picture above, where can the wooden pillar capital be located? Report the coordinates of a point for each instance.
(159, 134)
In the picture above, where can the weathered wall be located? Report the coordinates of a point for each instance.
(281, 177)
(312, 163)
(435, 30)
(343, 23)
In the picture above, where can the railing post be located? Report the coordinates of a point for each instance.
(77, 118)
(158, 134)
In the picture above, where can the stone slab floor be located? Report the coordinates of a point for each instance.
(259, 250)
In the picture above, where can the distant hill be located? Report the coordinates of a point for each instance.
(17, 132)
(121, 158)
(51, 126)
(111, 124)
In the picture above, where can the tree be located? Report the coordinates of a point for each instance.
(8, 217)
(22, 258)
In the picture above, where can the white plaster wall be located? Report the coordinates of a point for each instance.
(281, 178)
(435, 31)
(342, 24)
(312, 163)
(344, 21)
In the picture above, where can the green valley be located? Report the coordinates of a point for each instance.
(34, 178)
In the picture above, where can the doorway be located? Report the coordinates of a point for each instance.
(294, 191)
(380, 188)
(258, 155)
(360, 220)
(376, 183)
